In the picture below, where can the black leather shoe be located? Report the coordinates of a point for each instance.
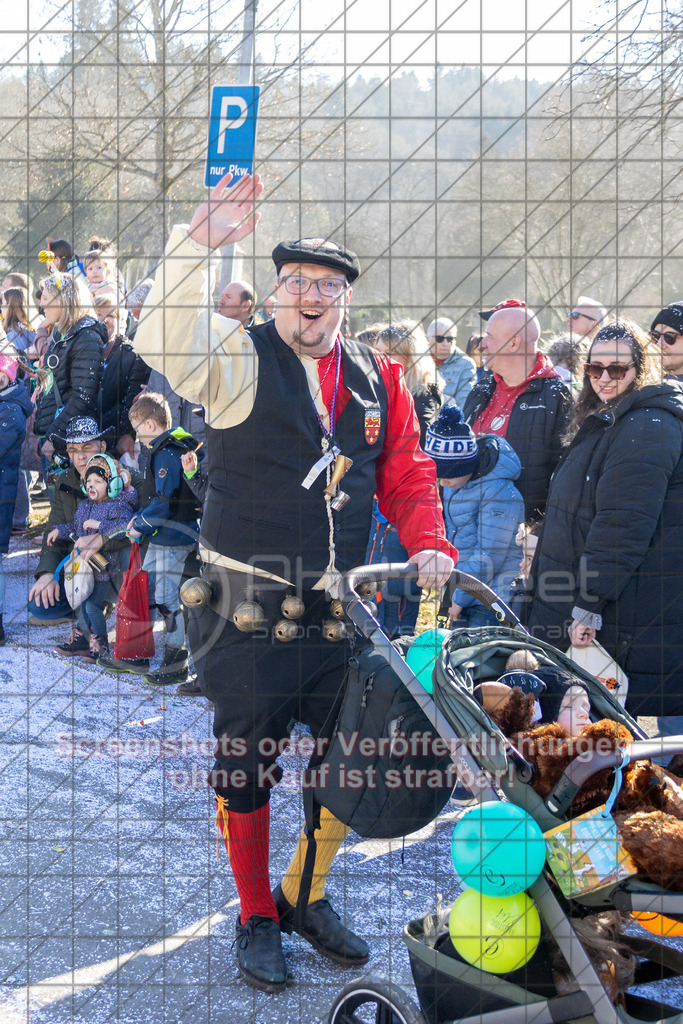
(322, 927)
(259, 953)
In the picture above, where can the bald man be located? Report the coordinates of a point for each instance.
(237, 302)
(523, 399)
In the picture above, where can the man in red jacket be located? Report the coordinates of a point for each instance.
(283, 402)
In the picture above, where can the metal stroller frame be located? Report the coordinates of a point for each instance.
(591, 1003)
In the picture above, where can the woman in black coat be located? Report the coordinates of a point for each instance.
(74, 355)
(609, 562)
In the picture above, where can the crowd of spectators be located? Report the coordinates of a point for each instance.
(558, 459)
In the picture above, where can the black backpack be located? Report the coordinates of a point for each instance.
(386, 772)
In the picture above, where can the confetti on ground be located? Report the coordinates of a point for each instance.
(145, 721)
(59, 849)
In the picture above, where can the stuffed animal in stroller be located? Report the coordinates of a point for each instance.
(553, 726)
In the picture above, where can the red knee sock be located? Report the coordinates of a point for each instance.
(247, 839)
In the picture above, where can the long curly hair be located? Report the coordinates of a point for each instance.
(648, 370)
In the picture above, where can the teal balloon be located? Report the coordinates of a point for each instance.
(423, 653)
(498, 849)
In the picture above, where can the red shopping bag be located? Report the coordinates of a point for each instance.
(134, 637)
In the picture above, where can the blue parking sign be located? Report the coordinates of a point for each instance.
(232, 132)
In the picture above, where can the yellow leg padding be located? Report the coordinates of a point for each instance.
(329, 838)
(221, 824)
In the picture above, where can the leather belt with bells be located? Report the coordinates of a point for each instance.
(234, 596)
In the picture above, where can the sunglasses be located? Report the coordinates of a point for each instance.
(576, 316)
(442, 337)
(615, 371)
(670, 337)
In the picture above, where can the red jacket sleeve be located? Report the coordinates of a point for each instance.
(406, 478)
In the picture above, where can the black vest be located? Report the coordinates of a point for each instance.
(256, 510)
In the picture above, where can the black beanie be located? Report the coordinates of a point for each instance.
(557, 682)
(671, 316)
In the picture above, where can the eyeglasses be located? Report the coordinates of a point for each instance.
(615, 371)
(575, 316)
(442, 337)
(329, 287)
(670, 337)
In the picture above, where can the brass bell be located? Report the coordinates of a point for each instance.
(336, 609)
(286, 630)
(248, 616)
(367, 589)
(195, 593)
(292, 607)
(334, 630)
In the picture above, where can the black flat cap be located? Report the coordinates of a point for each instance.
(320, 251)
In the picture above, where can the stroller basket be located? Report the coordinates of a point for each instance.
(448, 988)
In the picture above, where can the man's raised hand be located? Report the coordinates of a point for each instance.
(227, 216)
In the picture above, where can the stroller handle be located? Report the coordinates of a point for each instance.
(583, 767)
(386, 571)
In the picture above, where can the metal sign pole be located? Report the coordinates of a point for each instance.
(245, 77)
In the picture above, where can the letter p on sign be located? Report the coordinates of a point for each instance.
(226, 123)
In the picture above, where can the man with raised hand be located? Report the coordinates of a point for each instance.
(286, 402)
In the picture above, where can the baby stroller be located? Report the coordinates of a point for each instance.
(449, 989)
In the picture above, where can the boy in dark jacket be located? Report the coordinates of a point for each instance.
(170, 518)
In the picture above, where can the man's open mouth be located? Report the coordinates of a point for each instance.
(311, 314)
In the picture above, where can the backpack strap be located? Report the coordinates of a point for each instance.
(312, 811)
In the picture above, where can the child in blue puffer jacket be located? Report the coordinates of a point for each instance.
(482, 508)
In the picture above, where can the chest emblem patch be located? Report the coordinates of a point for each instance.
(373, 422)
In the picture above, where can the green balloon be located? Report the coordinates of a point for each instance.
(497, 934)
(423, 653)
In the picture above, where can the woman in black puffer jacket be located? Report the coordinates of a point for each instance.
(609, 561)
(74, 355)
